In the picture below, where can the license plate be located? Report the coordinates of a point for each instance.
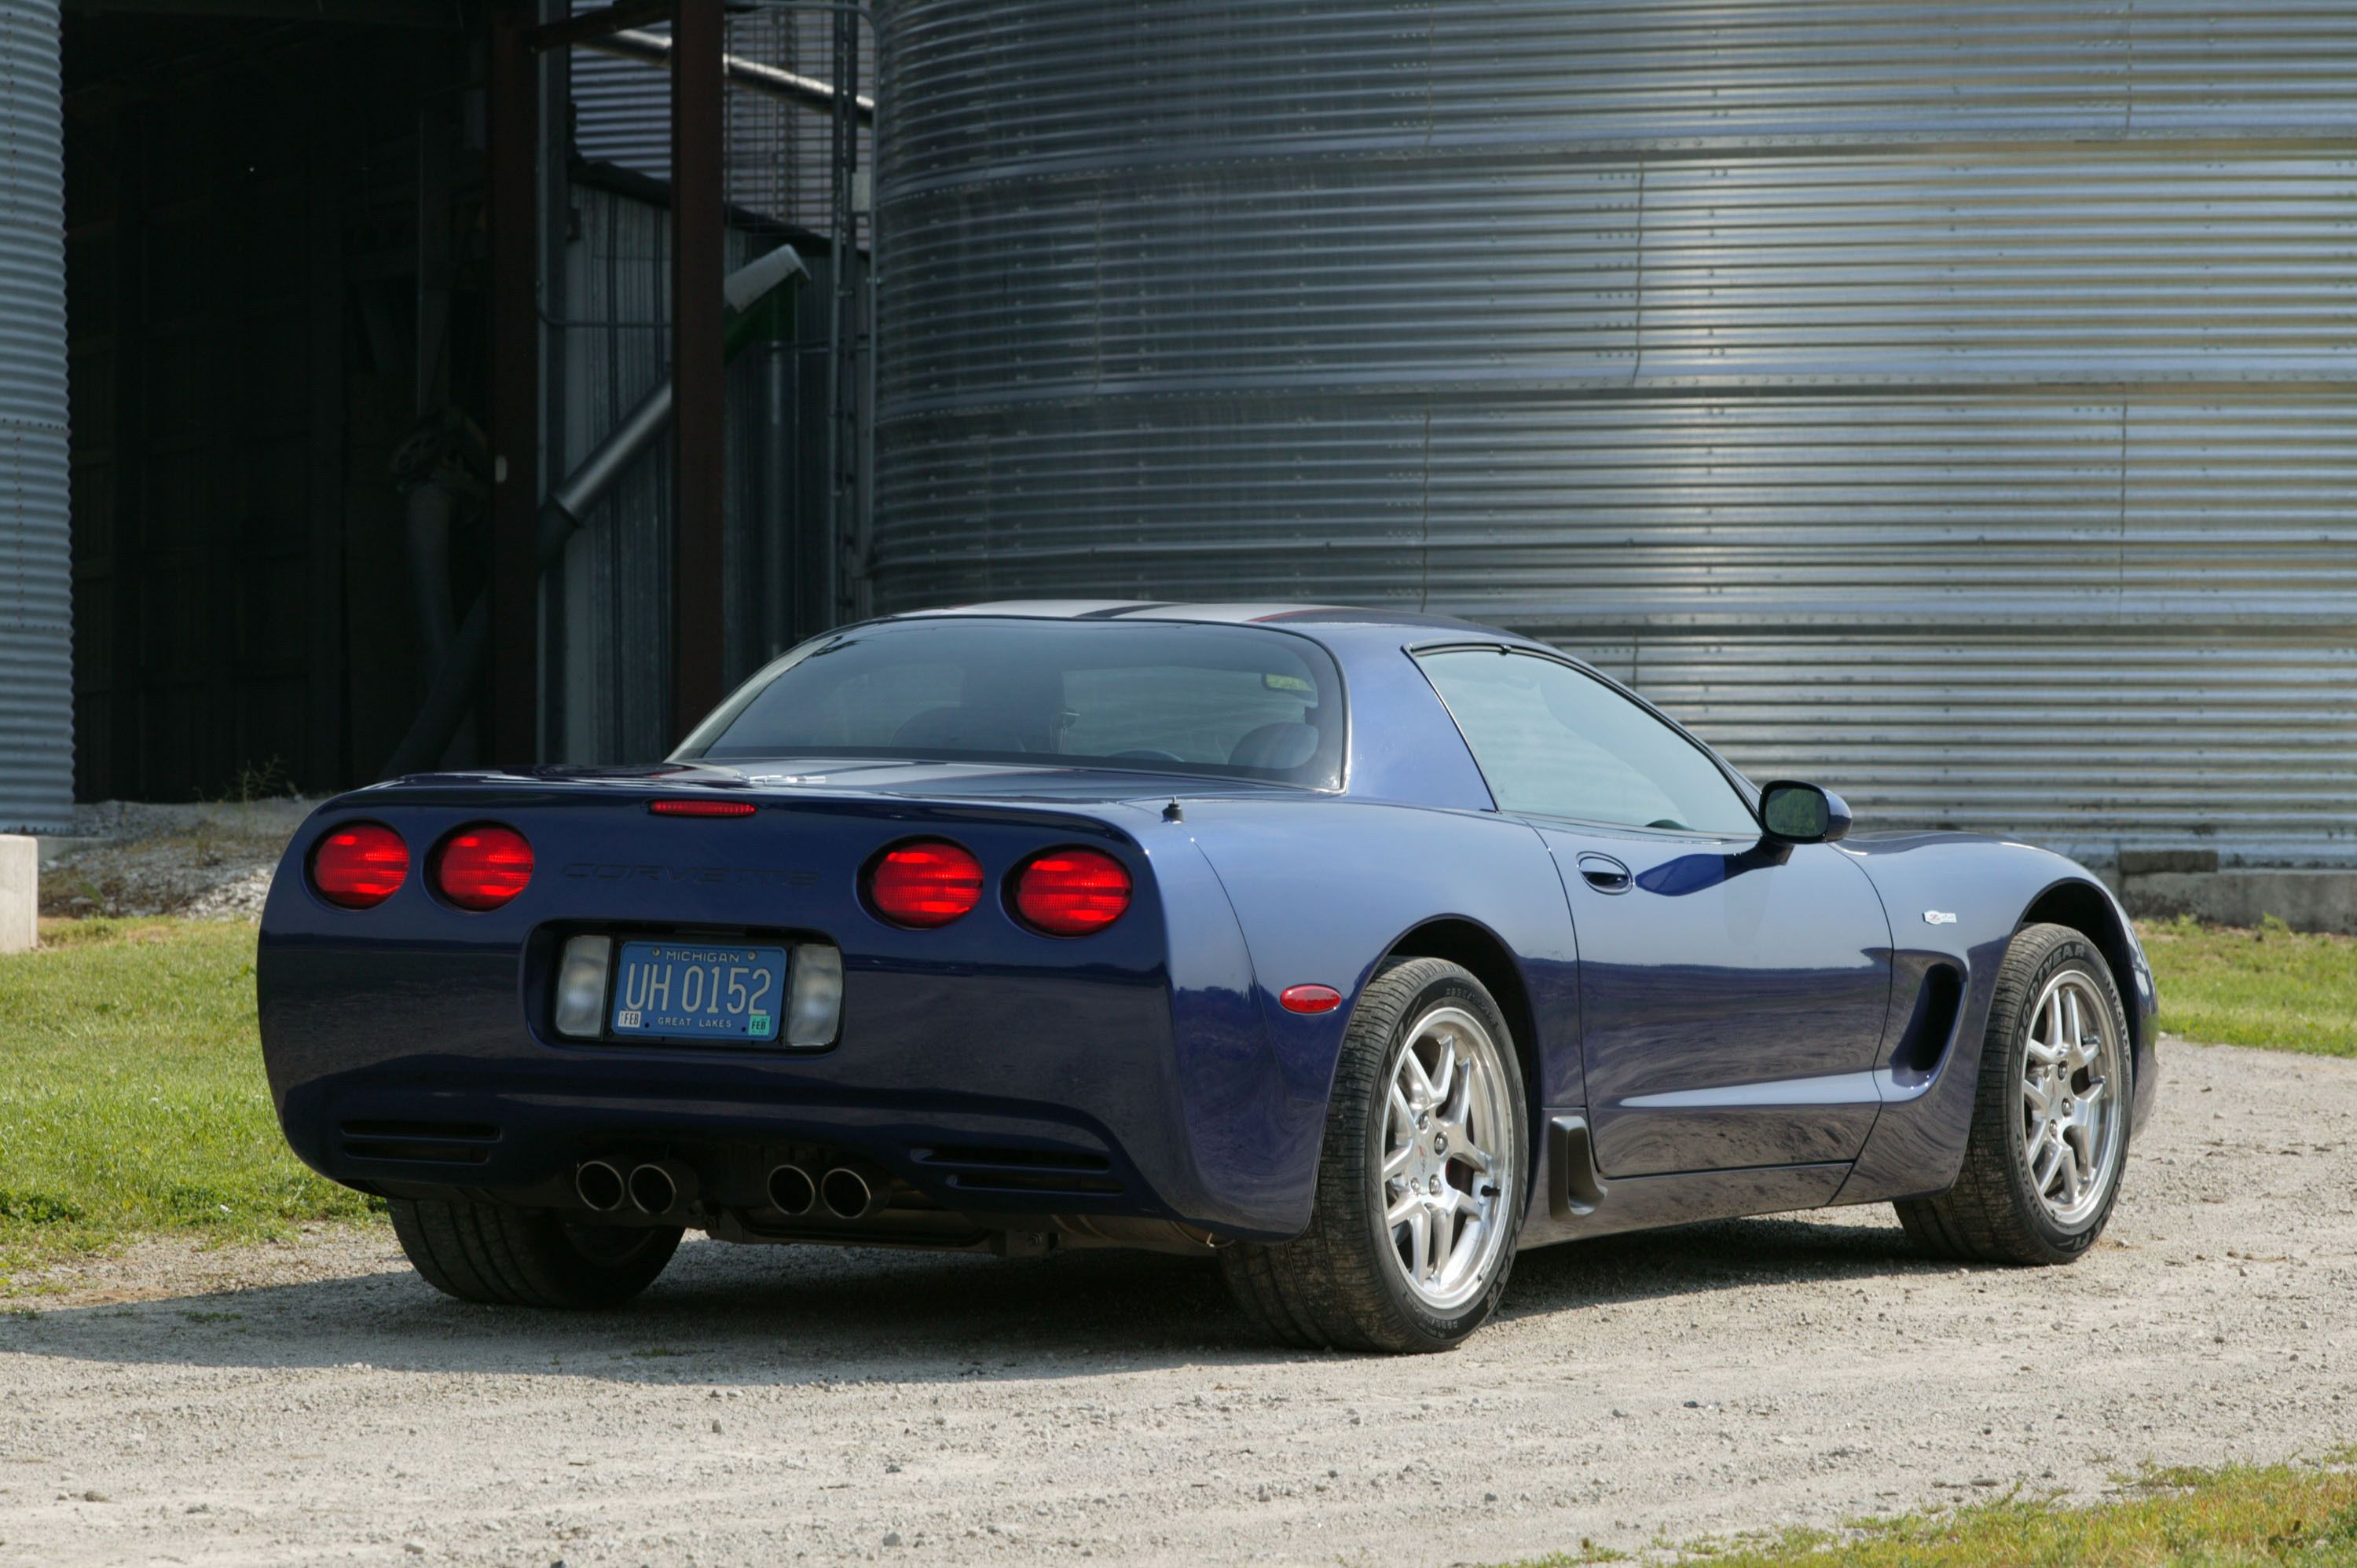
(700, 991)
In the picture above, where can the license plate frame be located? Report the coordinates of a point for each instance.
(654, 977)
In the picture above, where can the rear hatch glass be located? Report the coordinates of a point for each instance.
(1225, 701)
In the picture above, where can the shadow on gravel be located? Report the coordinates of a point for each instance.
(1732, 1254)
(759, 1316)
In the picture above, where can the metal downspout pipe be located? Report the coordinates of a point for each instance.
(653, 49)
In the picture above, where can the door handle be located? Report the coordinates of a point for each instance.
(1604, 874)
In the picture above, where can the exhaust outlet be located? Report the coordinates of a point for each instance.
(598, 1185)
(849, 1194)
(652, 1190)
(791, 1191)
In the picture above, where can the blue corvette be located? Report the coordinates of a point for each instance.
(1358, 950)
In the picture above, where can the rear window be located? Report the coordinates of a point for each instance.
(1231, 701)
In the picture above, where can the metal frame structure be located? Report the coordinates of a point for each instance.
(701, 71)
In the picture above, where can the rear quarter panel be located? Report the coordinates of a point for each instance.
(1323, 889)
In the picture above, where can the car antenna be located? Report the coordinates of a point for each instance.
(1174, 812)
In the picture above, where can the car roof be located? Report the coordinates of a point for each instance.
(1232, 614)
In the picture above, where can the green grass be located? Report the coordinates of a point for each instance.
(131, 1095)
(2270, 986)
(2241, 1516)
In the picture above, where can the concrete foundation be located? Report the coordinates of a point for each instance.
(2157, 884)
(20, 893)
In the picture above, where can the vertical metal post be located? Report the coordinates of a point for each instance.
(843, 476)
(699, 424)
(513, 199)
(776, 625)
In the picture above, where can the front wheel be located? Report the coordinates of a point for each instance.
(1420, 1182)
(520, 1257)
(2050, 1130)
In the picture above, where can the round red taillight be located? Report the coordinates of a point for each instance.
(1072, 892)
(483, 866)
(359, 866)
(928, 883)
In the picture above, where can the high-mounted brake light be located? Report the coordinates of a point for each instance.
(359, 866)
(925, 883)
(1072, 892)
(702, 808)
(483, 866)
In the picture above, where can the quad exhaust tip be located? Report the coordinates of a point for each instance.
(652, 1190)
(791, 1191)
(599, 1185)
(849, 1195)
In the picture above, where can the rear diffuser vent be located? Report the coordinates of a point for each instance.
(428, 1143)
(985, 1168)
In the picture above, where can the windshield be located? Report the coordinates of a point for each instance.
(1231, 701)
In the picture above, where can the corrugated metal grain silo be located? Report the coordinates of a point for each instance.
(1957, 404)
(36, 587)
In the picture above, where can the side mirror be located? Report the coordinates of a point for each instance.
(1803, 813)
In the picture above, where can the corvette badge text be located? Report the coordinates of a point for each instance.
(709, 875)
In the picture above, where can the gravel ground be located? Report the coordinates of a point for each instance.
(316, 1403)
(209, 861)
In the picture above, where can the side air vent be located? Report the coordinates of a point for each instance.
(980, 1168)
(426, 1143)
(1928, 1025)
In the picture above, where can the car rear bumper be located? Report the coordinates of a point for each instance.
(521, 1142)
(402, 1071)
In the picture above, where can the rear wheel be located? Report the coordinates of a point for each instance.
(520, 1257)
(2050, 1130)
(1420, 1182)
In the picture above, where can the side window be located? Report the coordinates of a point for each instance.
(1556, 743)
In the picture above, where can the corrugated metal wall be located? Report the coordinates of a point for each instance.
(616, 571)
(1952, 403)
(777, 156)
(614, 602)
(36, 588)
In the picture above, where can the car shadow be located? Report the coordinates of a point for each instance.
(1719, 1255)
(764, 1316)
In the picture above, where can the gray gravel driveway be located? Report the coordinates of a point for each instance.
(317, 1404)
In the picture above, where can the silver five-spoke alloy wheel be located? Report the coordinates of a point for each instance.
(1450, 1159)
(2071, 1127)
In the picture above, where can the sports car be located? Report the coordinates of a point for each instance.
(1352, 950)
